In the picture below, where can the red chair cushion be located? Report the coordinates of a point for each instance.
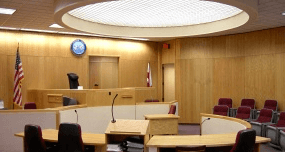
(243, 112)
(226, 101)
(30, 105)
(151, 100)
(221, 110)
(265, 116)
(172, 109)
(270, 104)
(248, 102)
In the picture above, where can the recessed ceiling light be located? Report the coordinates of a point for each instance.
(55, 26)
(9, 28)
(7, 11)
(283, 13)
(155, 13)
(36, 30)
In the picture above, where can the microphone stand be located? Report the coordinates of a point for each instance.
(201, 125)
(77, 116)
(113, 120)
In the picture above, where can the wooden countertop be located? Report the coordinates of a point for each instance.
(213, 140)
(161, 116)
(51, 135)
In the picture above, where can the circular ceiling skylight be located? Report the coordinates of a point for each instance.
(154, 13)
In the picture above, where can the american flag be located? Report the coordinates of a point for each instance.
(18, 78)
(149, 79)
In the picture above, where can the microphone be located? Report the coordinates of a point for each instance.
(77, 116)
(201, 125)
(113, 121)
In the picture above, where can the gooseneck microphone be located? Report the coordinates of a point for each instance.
(201, 125)
(77, 115)
(113, 121)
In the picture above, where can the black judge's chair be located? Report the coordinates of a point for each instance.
(73, 80)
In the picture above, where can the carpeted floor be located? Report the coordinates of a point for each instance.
(195, 130)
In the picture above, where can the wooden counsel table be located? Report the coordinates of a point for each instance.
(213, 140)
(162, 124)
(97, 140)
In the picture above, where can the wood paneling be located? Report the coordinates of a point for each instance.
(47, 59)
(249, 65)
(168, 55)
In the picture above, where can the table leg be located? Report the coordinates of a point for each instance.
(256, 147)
(101, 148)
(153, 149)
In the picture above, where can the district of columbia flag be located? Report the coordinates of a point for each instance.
(149, 79)
(18, 78)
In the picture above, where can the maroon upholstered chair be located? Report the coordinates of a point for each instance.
(243, 112)
(30, 105)
(221, 110)
(69, 138)
(33, 140)
(273, 131)
(151, 100)
(270, 104)
(265, 118)
(172, 109)
(226, 101)
(248, 102)
(245, 141)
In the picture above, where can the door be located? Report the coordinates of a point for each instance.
(103, 72)
(168, 82)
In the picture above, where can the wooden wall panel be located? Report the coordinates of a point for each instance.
(47, 59)
(168, 55)
(3, 81)
(196, 89)
(249, 65)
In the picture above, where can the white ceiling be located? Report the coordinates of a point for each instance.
(38, 14)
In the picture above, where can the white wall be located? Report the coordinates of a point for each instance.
(96, 119)
(12, 123)
(220, 126)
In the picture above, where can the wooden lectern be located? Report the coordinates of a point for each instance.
(121, 129)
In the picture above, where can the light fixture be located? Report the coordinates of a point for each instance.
(155, 13)
(8, 28)
(7, 11)
(283, 13)
(55, 26)
(36, 30)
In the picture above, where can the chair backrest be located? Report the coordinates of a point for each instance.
(190, 148)
(226, 101)
(243, 112)
(221, 110)
(245, 141)
(151, 100)
(65, 100)
(68, 101)
(33, 140)
(271, 104)
(30, 105)
(248, 102)
(73, 80)
(172, 109)
(69, 138)
(266, 115)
